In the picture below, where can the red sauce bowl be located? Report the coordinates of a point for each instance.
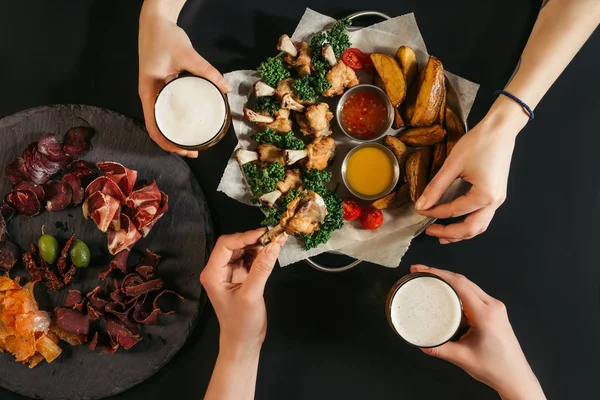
(365, 113)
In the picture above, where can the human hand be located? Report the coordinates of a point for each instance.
(234, 279)
(165, 50)
(481, 157)
(489, 351)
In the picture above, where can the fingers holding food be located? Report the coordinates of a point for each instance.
(439, 156)
(455, 128)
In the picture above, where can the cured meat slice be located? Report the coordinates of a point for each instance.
(118, 263)
(72, 321)
(149, 192)
(162, 209)
(94, 342)
(86, 175)
(58, 195)
(16, 172)
(41, 162)
(142, 288)
(37, 174)
(96, 300)
(25, 202)
(78, 141)
(73, 180)
(9, 255)
(155, 304)
(124, 177)
(37, 189)
(101, 208)
(121, 335)
(124, 238)
(106, 186)
(145, 213)
(7, 212)
(116, 221)
(75, 300)
(49, 146)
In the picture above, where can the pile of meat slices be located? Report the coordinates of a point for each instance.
(132, 302)
(125, 214)
(39, 270)
(9, 252)
(30, 175)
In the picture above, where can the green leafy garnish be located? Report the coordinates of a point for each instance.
(303, 88)
(263, 179)
(272, 70)
(319, 81)
(283, 141)
(338, 37)
(267, 103)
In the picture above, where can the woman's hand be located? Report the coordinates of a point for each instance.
(164, 51)
(482, 158)
(234, 279)
(489, 351)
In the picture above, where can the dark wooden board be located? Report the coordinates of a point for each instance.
(182, 237)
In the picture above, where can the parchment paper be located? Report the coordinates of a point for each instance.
(386, 245)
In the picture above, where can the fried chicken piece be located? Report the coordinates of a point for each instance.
(293, 180)
(303, 215)
(340, 77)
(280, 121)
(318, 154)
(298, 55)
(269, 153)
(288, 103)
(285, 87)
(315, 120)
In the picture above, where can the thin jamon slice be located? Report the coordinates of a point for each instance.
(6, 211)
(124, 177)
(25, 202)
(162, 209)
(72, 321)
(37, 189)
(58, 195)
(101, 208)
(75, 300)
(145, 213)
(106, 186)
(142, 288)
(124, 238)
(9, 255)
(97, 300)
(118, 263)
(73, 180)
(121, 335)
(149, 192)
(16, 172)
(78, 141)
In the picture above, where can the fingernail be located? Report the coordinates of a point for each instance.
(444, 241)
(193, 154)
(421, 267)
(420, 202)
(272, 249)
(282, 239)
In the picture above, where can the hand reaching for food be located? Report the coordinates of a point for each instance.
(489, 351)
(234, 279)
(165, 51)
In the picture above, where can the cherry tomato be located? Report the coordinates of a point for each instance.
(353, 58)
(368, 65)
(371, 218)
(352, 209)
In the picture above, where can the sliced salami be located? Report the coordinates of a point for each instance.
(25, 202)
(85, 175)
(15, 171)
(75, 183)
(78, 141)
(49, 146)
(37, 189)
(58, 195)
(41, 162)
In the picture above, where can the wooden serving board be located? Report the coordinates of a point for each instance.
(183, 237)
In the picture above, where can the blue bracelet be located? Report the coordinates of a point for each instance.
(518, 100)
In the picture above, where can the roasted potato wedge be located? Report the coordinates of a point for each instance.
(398, 198)
(442, 114)
(439, 156)
(407, 59)
(398, 120)
(411, 97)
(377, 81)
(426, 94)
(418, 166)
(391, 74)
(400, 151)
(455, 128)
(423, 136)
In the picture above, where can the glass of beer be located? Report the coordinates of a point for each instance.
(192, 113)
(424, 310)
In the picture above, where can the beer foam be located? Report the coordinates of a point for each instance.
(190, 111)
(426, 311)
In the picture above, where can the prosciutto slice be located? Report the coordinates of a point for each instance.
(124, 238)
(101, 208)
(147, 193)
(106, 186)
(124, 177)
(162, 209)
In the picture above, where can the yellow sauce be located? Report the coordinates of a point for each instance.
(369, 171)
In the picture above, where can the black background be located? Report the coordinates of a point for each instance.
(327, 337)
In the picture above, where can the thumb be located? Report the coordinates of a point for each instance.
(453, 352)
(438, 186)
(261, 269)
(197, 65)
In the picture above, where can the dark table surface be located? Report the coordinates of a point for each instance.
(328, 337)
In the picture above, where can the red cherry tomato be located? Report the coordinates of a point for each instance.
(352, 209)
(371, 218)
(353, 58)
(368, 65)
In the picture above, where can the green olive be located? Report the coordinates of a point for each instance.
(48, 246)
(80, 254)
